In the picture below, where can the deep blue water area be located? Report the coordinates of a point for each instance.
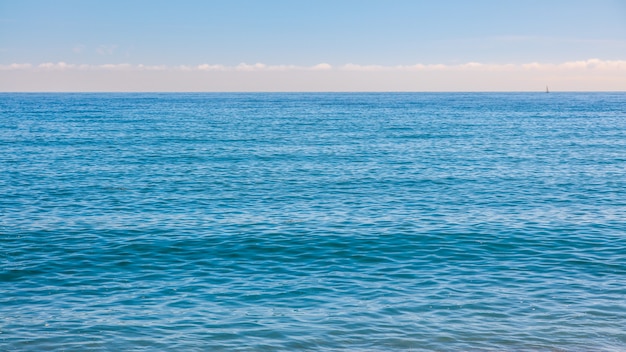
(326, 221)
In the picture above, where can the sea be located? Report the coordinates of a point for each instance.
(313, 221)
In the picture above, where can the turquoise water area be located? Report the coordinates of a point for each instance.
(279, 222)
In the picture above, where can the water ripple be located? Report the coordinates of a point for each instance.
(373, 222)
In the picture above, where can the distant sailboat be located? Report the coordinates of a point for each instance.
(547, 90)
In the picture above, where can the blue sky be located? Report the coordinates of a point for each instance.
(301, 33)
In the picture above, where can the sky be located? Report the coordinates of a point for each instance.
(306, 45)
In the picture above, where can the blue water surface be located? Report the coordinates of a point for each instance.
(329, 222)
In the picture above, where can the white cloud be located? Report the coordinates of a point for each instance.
(117, 67)
(472, 65)
(356, 67)
(254, 67)
(204, 67)
(15, 67)
(590, 64)
(183, 68)
(595, 64)
(56, 66)
(63, 66)
(264, 67)
(152, 67)
(416, 67)
(421, 67)
(321, 67)
(283, 68)
(245, 67)
(581, 75)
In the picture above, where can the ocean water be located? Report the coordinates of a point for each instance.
(326, 222)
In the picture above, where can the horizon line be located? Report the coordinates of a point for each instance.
(542, 92)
